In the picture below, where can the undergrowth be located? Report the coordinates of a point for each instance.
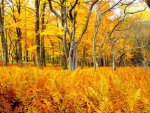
(52, 90)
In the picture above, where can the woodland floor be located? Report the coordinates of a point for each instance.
(52, 90)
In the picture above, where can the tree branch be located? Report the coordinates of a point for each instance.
(87, 22)
(132, 49)
(51, 8)
(70, 11)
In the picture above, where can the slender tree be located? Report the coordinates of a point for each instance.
(113, 39)
(99, 17)
(43, 62)
(2, 32)
(37, 31)
(16, 7)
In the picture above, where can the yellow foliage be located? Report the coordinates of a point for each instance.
(50, 90)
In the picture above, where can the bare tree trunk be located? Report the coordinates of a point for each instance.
(11, 48)
(113, 58)
(114, 62)
(73, 58)
(53, 54)
(26, 55)
(43, 62)
(83, 57)
(19, 34)
(20, 46)
(97, 24)
(3, 39)
(145, 60)
(64, 24)
(37, 29)
(94, 52)
(104, 60)
(26, 45)
(16, 51)
(121, 60)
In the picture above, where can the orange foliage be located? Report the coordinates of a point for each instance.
(51, 90)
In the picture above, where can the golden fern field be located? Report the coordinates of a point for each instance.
(52, 90)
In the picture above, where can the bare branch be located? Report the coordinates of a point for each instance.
(125, 14)
(133, 49)
(51, 8)
(109, 9)
(87, 21)
(72, 7)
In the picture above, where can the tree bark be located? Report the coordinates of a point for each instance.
(37, 29)
(145, 59)
(19, 34)
(19, 45)
(43, 61)
(83, 57)
(112, 44)
(97, 24)
(2, 32)
(114, 61)
(73, 58)
(64, 24)
(26, 45)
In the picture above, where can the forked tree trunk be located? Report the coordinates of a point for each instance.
(3, 39)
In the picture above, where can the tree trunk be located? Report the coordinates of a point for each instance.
(19, 34)
(16, 51)
(121, 60)
(83, 57)
(3, 39)
(97, 24)
(73, 58)
(104, 60)
(26, 56)
(43, 61)
(20, 46)
(37, 28)
(64, 24)
(145, 59)
(53, 54)
(113, 59)
(26, 45)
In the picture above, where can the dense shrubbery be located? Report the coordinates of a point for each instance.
(48, 90)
